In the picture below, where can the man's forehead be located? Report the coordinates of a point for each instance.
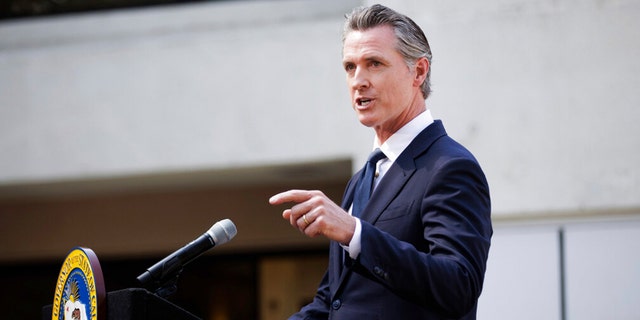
(374, 41)
(381, 31)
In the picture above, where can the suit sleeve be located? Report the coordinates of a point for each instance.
(443, 267)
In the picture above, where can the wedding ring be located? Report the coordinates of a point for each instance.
(304, 217)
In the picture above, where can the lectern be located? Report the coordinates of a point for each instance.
(137, 304)
(80, 294)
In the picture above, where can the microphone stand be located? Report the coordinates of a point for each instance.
(166, 286)
(169, 287)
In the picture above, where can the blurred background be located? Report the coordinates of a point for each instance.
(131, 126)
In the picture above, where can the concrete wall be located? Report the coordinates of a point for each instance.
(543, 92)
(212, 85)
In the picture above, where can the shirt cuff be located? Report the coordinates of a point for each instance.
(354, 245)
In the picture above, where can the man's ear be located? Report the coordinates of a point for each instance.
(422, 69)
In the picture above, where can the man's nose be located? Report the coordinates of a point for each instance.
(360, 79)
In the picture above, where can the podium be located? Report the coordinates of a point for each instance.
(136, 304)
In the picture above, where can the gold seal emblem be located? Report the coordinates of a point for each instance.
(80, 292)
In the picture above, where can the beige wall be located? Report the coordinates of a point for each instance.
(118, 219)
(287, 284)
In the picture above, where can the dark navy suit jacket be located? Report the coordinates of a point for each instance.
(425, 239)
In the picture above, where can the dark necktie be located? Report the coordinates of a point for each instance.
(365, 185)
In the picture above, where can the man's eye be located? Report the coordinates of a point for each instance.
(349, 67)
(375, 63)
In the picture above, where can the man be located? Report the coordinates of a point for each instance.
(418, 248)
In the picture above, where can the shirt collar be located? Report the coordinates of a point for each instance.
(399, 141)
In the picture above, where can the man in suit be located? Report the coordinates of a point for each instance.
(418, 248)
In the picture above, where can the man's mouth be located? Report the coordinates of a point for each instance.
(363, 102)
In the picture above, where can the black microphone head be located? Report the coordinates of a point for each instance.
(222, 231)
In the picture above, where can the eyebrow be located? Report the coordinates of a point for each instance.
(366, 58)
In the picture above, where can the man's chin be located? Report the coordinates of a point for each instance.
(366, 121)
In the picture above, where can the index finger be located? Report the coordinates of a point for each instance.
(296, 196)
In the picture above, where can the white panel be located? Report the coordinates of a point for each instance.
(603, 270)
(522, 278)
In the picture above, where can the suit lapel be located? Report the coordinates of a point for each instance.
(387, 189)
(400, 172)
(347, 199)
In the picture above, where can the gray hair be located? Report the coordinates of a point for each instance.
(412, 43)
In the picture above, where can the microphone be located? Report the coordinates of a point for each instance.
(171, 266)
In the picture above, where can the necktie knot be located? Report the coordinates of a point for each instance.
(375, 156)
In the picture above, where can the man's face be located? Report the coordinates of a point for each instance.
(385, 92)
